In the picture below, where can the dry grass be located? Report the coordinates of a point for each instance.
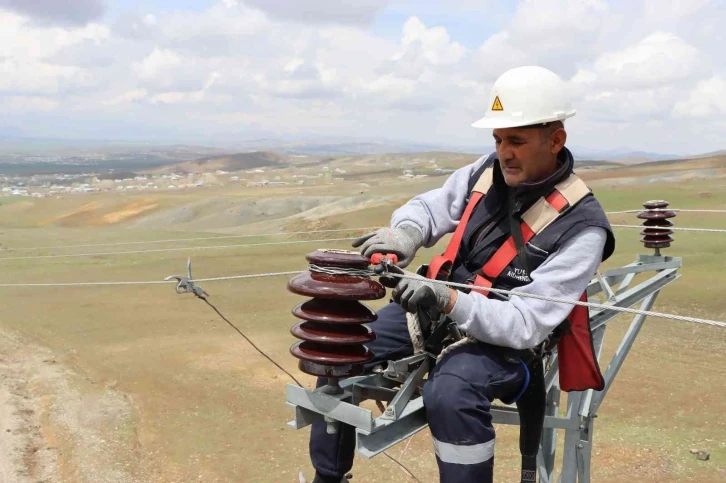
(206, 407)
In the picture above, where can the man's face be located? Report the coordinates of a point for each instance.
(525, 154)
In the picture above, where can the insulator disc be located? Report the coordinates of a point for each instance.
(657, 238)
(336, 287)
(338, 258)
(650, 232)
(322, 370)
(655, 204)
(656, 215)
(335, 312)
(333, 334)
(334, 355)
(652, 244)
(663, 223)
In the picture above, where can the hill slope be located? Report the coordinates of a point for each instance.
(226, 162)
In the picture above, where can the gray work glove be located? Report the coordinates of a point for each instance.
(415, 294)
(404, 242)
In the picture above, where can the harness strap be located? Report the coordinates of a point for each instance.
(538, 217)
(440, 265)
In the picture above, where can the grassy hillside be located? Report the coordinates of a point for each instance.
(201, 405)
(225, 162)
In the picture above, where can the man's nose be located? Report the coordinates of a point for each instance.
(505, 152)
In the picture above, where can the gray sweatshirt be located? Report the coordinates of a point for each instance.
(520, 322)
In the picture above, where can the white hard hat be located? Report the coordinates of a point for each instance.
(525, 96)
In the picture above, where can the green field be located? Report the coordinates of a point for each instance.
(143, 384)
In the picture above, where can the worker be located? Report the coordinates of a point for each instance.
(523, 208)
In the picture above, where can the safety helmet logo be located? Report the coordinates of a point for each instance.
(497, 106)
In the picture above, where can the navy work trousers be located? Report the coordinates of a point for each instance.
(457, 398)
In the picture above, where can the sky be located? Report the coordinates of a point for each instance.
(646, 75)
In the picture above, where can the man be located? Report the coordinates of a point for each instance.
(559, 246)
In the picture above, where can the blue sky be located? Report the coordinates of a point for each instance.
(645, 74)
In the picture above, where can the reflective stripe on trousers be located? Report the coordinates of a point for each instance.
(464, 454)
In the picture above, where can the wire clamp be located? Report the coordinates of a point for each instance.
(186, 284)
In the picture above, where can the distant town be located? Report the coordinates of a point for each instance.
(98, 178)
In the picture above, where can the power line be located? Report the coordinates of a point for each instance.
(408, 472)
(218, 247)
(683, 318)
(674, 228)
(715, 323)
(665, 209)
(159, 250)
(147, 282)
(222, 237)
(261, 352)
(250, 342)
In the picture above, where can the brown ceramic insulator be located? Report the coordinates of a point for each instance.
(656, 233)
(333, 334)
(335, 312)
(336, 287)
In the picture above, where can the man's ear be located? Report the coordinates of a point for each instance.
(557, 140)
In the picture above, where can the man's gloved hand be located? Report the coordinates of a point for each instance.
(404, 242)
(414, 294)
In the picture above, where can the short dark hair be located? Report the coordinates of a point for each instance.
(547, 128)
(550, 127)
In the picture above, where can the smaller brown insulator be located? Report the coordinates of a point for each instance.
(656, 232)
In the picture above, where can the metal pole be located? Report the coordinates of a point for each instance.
(572, 436)
(622, 352)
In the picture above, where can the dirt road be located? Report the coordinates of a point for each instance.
(55, 426)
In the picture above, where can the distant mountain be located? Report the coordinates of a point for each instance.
(226, 162)
(337, 146)
(622, 155)
(721, 152)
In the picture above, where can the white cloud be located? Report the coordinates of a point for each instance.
(20, 38)
(157, 65)
(706, 99)
(128, 97)
(320, 11)
(67, 12)
(263, 66)
(30, 103)
(661, 58)
(19, 77)
(149, 19)
(433, 44)
(553, 33)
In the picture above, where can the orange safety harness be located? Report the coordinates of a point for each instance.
(579, 369)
